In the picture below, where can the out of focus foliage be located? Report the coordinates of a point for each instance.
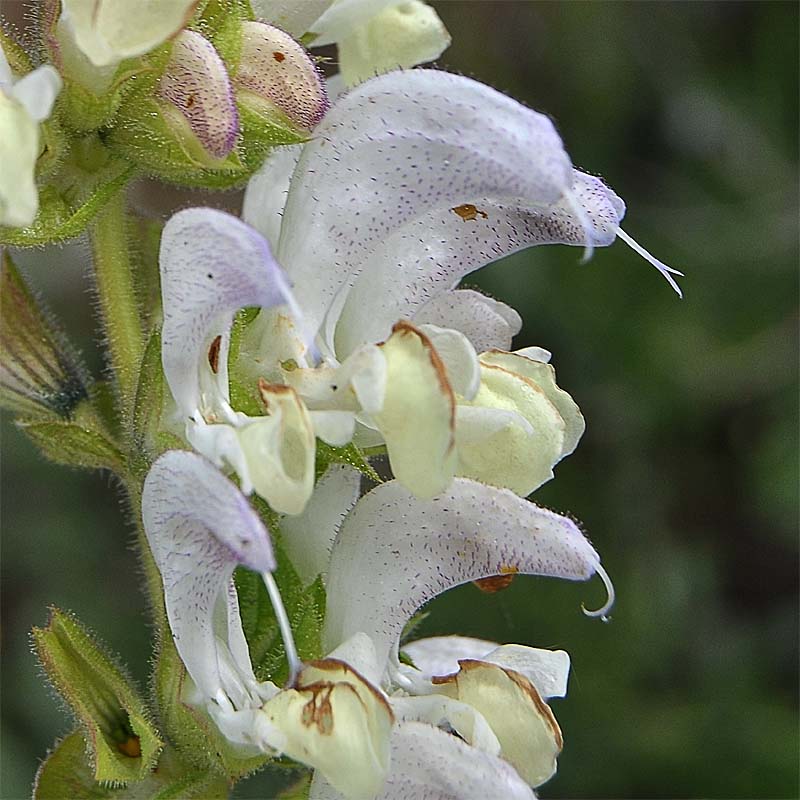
(686, 479)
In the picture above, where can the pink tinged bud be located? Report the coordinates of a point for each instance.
(277, 69)
(197, 84)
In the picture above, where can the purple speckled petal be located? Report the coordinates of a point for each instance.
(199, 527)
(275, 67)
(394, 553)
(212, 264)
(197, 83)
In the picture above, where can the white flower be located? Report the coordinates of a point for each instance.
(392, 554)
(199, 527)
(375, 221)
(24, 103)
(108, 31)
(373, 36)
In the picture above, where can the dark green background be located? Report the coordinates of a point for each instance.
(686, 479)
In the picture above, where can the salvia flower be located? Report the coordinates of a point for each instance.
(24, 103)
(359, 717)
(372, 36)
(108, 31)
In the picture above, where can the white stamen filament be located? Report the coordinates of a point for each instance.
(666, 271)
(602, 612)
(295, 665)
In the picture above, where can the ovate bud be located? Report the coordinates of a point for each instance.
(188, 130)
(280, 92)
(197, 84)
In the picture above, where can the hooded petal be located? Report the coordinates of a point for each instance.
(395, 552)
(343, 16)
(338, 723)
(404, 35)
(107, 31)
(526, 729)
(459, 358)
(486, 322)
(418, 414)
(308, 537)
(431, 764)
(199, 527)
(212, 264)
(399, 152)
(439, 655)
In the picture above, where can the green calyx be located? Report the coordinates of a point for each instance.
(122, 742)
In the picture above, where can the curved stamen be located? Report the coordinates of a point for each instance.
(666, 271)
(602, 612)
(295, 665)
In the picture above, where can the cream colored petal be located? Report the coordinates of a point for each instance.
(293, 16)
(440, 710)
(19, 149)
(338, 723)
(418, 414)
(459, 357)
(544, 376)
(37, 91)
(334, 427)
(547, 670)
(510, 434)
(529, 736)
(404, 35)
(280, 449)
(108, 31)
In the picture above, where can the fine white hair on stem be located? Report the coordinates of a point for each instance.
(666, 271)
(282, 617)
(602, 612)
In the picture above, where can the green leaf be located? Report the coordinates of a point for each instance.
(80, 442)
(349, 454)
(66, 773)
(122, 743)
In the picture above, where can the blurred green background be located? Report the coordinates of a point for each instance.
(686, 479)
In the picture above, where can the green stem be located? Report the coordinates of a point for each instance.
(117, 294)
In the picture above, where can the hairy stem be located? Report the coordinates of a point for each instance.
(118, 301)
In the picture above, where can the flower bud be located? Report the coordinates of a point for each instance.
(277, 80)
(197, 84)
(187, 131)
(39, 374)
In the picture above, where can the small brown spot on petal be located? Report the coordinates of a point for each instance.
(469, 212)
(213, 354)
(278, 56)
(131, 747)
(496, 583)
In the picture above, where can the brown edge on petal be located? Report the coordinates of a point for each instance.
(527, 688)
(213, 354)
(265, 389)
(330, 664)
(403, 328)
